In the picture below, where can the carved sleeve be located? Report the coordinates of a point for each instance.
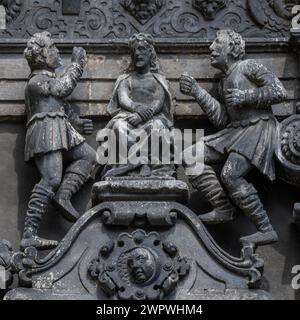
(270, 90)
(64, 85)
(214, 110)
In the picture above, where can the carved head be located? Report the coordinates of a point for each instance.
(143, 10)
(209, 8)
(141, 265)
(143, 53)
(228, 47)
(41, 52)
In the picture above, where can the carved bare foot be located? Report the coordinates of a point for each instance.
(260, 238)
(216, 217)
(38, 243)
(66, 209)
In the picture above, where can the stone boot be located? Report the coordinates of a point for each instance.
(77, 174)
(246, 198)
(37, 207)
(213, 192)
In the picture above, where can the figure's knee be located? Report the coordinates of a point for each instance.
(89, 155)
(121, 125)
(52, 183)
(228, 178)
(158, 125)
(193, 155)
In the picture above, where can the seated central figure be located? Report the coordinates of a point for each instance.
(141, 100)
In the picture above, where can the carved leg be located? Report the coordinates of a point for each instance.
(213, 192)
(37, 207)
(77, 174)
(246, 198)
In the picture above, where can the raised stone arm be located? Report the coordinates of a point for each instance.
(64, 85)
(214, 110)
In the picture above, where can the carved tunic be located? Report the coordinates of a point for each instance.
(49, 116)
(249, 129)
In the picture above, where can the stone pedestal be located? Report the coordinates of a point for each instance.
(128, 247)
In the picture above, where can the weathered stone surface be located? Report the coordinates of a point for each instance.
(133, 189)
(66, 272)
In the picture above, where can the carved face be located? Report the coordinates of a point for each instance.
(220, 51)
(142, 54)
(209, 8)
(141, 265)
(143, 10)
(53, 59)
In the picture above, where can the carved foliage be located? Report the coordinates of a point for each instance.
(138, 266)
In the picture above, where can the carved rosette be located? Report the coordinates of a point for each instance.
(139, 266)
(288, 153)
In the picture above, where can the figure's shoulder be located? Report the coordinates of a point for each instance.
(38, 84)
(161, 78)
(250, 64)
(36, 81)
(123, 77)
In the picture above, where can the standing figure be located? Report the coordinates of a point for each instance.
(141, 100)
(248, 137)
(51, 140)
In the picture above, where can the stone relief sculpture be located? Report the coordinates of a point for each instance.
(141, 100)
(248, 136)
(121, 19)
(110, 252)
(143, 10)
(12, 8)
(209, 8)
(51, 138)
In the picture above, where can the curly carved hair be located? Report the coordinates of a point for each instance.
(35, 51)
(239, 44)
(148, 41)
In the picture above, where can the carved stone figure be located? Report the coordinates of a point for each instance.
(141, 100)
(51, 138)
(272, 14)
(248, 137)
(143, 10)
(209, 8)
(12, 7)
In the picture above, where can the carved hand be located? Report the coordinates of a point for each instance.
(235, 98)
(144, 112)
(189, 86)
(79, 56)
(85, 126)
(134, 119)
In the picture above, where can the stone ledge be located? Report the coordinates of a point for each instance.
(146, 189)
